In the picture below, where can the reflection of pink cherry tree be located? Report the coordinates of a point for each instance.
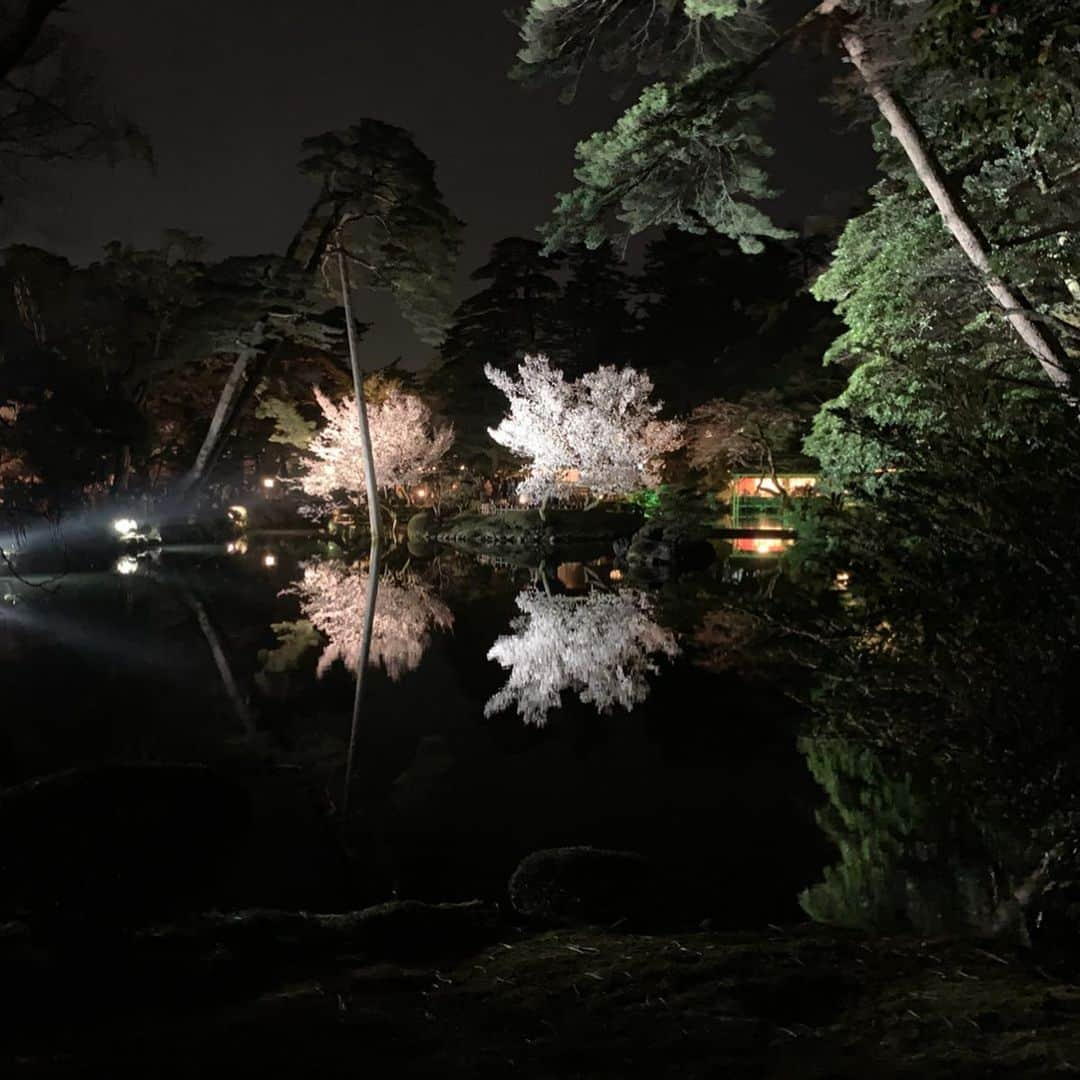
(600, 432)
(332, 597)
(601, 647)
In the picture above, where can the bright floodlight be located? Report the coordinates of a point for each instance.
(127, 564)
(126, 526)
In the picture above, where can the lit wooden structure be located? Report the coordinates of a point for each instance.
(761, 504)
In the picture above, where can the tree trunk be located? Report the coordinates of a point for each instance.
(361, 407)
(1039, 338)
(361, 664)
(221, 662)
(231, 394)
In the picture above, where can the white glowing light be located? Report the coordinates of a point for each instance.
(126, 526)
(421, 492)
(269, 561)
(523, 500)
(268, 482)
(127, 564)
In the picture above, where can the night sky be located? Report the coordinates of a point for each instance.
(227, 89)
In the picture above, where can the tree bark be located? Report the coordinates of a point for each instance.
(221, 662)
(1039, 339)
(361, 664)
(231, 393)
(361, 407)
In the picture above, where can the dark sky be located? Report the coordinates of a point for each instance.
(227, 89)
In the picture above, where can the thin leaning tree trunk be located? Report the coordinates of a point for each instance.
(361, 407)
(233, 390)
(1039, 338)
(361, 667)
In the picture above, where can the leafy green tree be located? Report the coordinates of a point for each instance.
(906, 859)
(380, 204)
(689, 152)
(379, 213)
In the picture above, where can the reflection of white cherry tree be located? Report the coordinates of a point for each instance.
(600, 646)
(332, 597)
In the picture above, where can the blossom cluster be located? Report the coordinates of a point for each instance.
(600, 431)
(406, 443)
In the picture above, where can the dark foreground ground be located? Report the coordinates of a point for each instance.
(275, 995)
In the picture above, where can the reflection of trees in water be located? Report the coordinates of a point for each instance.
(906, 858)
(942, 633)
(600, 646)
(332, 597)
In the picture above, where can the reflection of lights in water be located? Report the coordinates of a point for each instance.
(127, 564)
(615, 575)
(269, 561)
(126, 526)
(762, 545)
(268, 482)
(237, 547)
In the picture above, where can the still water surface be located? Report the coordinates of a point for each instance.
(504, 711)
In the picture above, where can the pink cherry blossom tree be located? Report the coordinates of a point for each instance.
(407, 443)
(600, 431)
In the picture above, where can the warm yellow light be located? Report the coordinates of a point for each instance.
(238, 513)
(615, 575)
(421, 492)
(269, 561)
(843, 579)
(268, 482)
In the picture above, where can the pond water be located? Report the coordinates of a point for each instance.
(504, 710)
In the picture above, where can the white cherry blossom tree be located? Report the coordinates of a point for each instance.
(332, 598)
(407, 443)
(600, 431)
(601, 647)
